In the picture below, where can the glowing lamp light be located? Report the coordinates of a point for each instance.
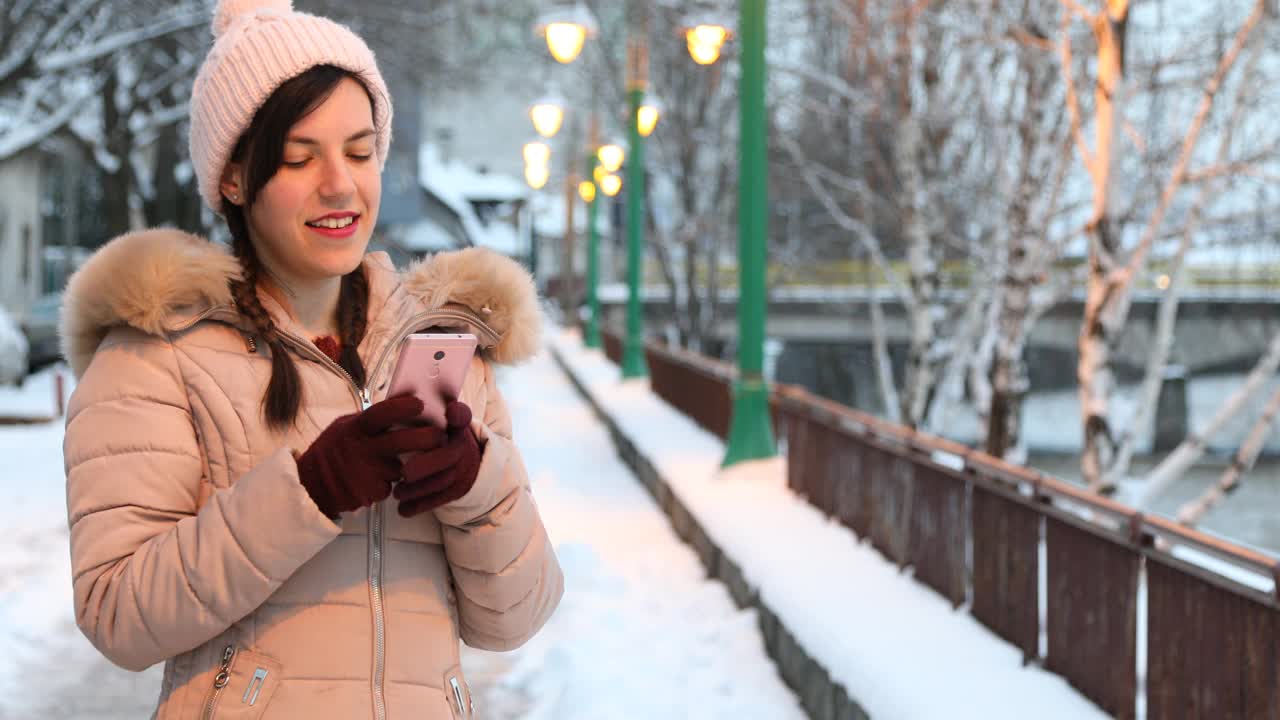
(537, 153)
(610, 184)
(705, 41)
(536, 176)
(598, 173)
(547, 116)
(587, 190)
(1163, 282)
(611, 156)
(648, 114)
(565, 41)
(566, 31)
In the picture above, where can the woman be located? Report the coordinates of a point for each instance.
(229, 477)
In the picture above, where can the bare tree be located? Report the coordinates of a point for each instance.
(1112, 267)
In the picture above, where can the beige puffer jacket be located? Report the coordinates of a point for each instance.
(193, 542)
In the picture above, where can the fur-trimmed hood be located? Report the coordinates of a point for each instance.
(161, 280)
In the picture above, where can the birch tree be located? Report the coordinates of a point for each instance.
(1113, 267)
(952, 155)
(873, 155)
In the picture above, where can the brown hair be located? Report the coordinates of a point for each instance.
(261, 149)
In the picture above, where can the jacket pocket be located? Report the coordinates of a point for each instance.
(243, 686)
(458, 694)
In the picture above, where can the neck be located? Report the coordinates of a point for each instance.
(313, 305)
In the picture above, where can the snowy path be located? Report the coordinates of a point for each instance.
(640, 633)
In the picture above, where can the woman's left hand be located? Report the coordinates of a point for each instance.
(435, 477)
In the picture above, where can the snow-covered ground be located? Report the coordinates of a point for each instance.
(899, 648)
(640, 633)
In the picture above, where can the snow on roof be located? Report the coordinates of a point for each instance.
(459, 180)
(424, 236)
(457, 186)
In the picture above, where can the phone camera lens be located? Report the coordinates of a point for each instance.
(439, 354)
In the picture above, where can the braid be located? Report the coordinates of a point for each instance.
(353, 308)
(284, 392)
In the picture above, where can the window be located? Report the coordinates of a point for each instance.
(27, 253)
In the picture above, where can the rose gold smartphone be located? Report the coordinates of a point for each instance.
(433, 367)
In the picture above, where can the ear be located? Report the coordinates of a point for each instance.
(230, 186)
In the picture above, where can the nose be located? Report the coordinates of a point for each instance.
(337, 184)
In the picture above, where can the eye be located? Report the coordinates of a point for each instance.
(361, 158)
(296, 163)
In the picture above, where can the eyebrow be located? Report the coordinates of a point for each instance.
(308, 141)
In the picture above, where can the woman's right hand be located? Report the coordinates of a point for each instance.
(354, 461)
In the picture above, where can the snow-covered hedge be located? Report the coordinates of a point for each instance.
(13, 350)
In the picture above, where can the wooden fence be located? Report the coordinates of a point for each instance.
(990, 537)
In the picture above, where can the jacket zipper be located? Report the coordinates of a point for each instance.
(380, 631)
(219, 681)
(363, 396)
(375, 541)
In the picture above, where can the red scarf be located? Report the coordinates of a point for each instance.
(330, 346)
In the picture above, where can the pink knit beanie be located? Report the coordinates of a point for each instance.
(258, 46)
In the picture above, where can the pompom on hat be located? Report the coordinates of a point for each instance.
(258, 46)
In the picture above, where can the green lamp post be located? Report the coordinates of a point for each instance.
(633, 362)
(750, 429)
(592, 339)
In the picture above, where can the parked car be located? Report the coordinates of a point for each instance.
(13, 351)
(40, 326)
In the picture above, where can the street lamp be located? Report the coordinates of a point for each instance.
(705, 36)
(536, 176)
(547, 115)
(648, 113)
(610, 184)
(592, 337)
(566, 30)
(750, 429)
(633, 360)
(611, 157)
(537, 153)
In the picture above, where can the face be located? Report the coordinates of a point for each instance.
(312, 221)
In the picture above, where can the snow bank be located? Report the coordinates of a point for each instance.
(898, 648)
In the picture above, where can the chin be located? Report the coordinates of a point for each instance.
(336, 263)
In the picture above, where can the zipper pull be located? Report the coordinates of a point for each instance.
(365, 402)
(457, 694)
(224, 671)
(255, 686)
(251, 343)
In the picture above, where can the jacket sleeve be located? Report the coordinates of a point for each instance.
(507, 577)
(154, 574)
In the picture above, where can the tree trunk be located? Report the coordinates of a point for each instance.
(880, 349)
(117, 181)
(921, 371)
(1008, 372)
(1101, 317)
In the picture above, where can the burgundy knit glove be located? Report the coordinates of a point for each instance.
(436, 477)
(354, 461)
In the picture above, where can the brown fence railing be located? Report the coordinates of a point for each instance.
(975, 529)
(612, 346)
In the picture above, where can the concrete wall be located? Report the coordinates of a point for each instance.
(21, 279)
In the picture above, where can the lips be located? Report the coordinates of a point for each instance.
(334, 221)
(346, 226)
